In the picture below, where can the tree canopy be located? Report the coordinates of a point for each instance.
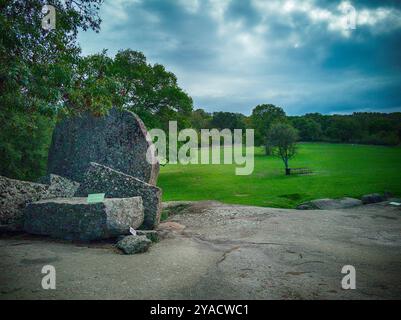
(35, 71)
(263, 116)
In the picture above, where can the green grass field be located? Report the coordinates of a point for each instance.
(339, 170)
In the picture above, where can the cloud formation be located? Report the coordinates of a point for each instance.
(304, 55)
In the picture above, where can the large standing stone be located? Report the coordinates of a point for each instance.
(115, 184)
(75, 219)
(118, 140)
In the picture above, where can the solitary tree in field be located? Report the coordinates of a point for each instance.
(283, 138)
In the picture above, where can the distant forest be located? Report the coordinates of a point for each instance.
(359, 127)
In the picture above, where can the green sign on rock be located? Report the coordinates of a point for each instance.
(96, 197)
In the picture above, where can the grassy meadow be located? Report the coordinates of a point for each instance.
(338, 170)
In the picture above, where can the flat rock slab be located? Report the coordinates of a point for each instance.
(118, 140)
(115, 184)
(330, 204)
(75, 219)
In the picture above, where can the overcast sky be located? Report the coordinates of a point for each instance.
(302, 55)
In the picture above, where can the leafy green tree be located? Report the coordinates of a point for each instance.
(24, 142)
(150, 90)
(283, 138)
(343, 129)
(309, 129)
(200, 119)
(99, 82)
(37, 63)
(263, 116)
(227, 120)
(90, 86)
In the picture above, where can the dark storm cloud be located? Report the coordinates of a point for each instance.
(233, 55)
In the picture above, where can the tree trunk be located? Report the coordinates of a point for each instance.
(268, 149)
(287, 170)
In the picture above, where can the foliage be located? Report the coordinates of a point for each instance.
(24, 142)
(308, 129)
(35, 71)
(359, 127)
(150, 90)
(227, 120)
(128, 82)
(200, 119)
(263, 116)
(36, 63)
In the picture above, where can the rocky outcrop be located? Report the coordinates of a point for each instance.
(75, 219)
(59, 186)
(16, 194)
(118, 140)
(330, 204)
(372, 198)
(115, 184)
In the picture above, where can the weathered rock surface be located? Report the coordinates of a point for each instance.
(330, 204)
(134, 244)
(59, 186)
(75, 219)
(14, 195)
(118, 140)
(372, 198)
(224, 252)
(115, 184)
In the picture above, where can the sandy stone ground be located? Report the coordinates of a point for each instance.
(216, 251)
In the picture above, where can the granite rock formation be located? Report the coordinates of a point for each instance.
(115, 184)
(118, 140)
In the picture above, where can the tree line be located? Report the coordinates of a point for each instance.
(358, 127)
